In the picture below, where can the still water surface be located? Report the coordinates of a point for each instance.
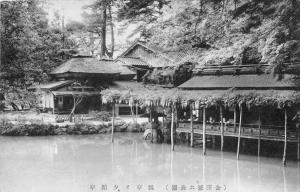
(85, 163)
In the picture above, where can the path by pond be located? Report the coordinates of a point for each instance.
(92, 163)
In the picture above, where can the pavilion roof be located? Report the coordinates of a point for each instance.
(249, 81)
(230, 97)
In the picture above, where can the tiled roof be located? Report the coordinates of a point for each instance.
(251, 81)
(87, 65)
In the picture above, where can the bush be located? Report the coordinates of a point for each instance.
(101, 115)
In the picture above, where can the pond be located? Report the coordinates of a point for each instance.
(93, 163)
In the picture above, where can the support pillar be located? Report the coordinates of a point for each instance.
(298, 143)
(53, 110)
(234, 119)
(113, 123)
(239, 136)
(192, 128)
(172, 129)
(203, 132)
(214, 141)
(136, 116)
(259, 134)
(285, 138)
(150, 114)
(132, 114)
(222, 128)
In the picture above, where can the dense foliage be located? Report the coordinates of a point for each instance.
(30, 47)
(230, 32)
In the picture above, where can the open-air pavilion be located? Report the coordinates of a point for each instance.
(240, 103)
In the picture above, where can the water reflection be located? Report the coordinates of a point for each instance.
(73, 163)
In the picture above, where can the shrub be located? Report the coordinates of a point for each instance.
(101, 115)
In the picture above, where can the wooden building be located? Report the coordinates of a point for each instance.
(157, 66)
(80, 77)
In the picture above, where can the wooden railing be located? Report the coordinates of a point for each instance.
(246, 129)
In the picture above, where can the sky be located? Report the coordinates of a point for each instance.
(72, 8)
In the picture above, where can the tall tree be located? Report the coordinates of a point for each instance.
(98, 16)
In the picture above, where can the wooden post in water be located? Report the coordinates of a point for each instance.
(259, 134)
(150, 114)
(53, 106)
(285, 138)
(192, 128)
(113, 123)
(132, 114)
(172, 129)
(136, 116)
(203, 132)
(222, 128)
(239, 136)
(234, 118)
(298, 143)
(151, 124)
(163, 119)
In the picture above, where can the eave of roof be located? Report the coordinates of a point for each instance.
(131, 61)
(51, 85)
(82, 93)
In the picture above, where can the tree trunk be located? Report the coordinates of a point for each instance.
(76, 101)
(103, 31)
(235, 3)
(111, 53)
(199, 15)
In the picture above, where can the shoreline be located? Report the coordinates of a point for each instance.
(50, 129)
